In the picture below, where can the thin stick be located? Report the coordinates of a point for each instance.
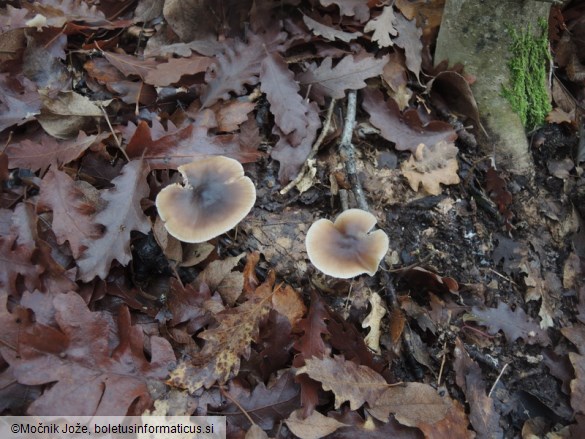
(344, 199)
(314, 150)
(498, 379)
(118, 143)
(442, 366)
(244, 412)
(347, 151)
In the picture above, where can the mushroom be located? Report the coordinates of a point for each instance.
(215, 197)
(344, 248)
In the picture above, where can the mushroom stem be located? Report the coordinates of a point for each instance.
(347, 151)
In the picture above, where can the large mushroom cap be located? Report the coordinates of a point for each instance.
(344, 248)
(215, 197)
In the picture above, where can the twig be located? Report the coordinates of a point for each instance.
(118, 143)
(314, 150)
(442, 365)
(497, 379)
(237, 404)
(347, 151)
(344, 199)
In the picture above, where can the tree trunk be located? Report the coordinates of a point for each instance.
(476, 33)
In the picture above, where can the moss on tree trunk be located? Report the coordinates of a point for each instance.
(488, 37)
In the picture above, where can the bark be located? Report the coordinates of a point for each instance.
(476, 34)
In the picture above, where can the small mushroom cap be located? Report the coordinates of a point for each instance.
(215, 197)
(345, 249)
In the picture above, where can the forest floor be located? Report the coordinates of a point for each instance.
(474, 324)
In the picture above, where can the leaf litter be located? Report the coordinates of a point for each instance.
(476, 315)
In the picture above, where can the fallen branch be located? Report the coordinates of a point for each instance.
(314, 150)
(347, 151)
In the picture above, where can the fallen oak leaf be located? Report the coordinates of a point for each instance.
(113, 376)
(411, 403)
(383, 27)
(171, 72)
(15, 262)
(73, 204)
(44, 151)
(282, 92)
(314, 426)
(131, 65)
(351, 8)
(121, 215)
(219, 359)
(183, 145)
(409, 39)
(406, 130)
(347, 380)
(483, 415)
(266, 405)
(514, 324)
(373, 321)
(329, 33)
(237, 66)
(349, 74)
(311, 345)
(431, 166)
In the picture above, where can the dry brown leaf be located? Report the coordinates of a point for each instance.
(66, 114)
(452, 426)
(314, 426)
(483, 415)
(351, 8)
(571, 271)
(373, 321)
(288, 302)
(406, 130)
(347, 380)
(231, 115)
(409, 38)
(195, 253)
(256, 432)
(121, 215)
(514, 324)
(73, 204)
(329, 33)
(218, 276)
(171, 72)
(411, 403)
(431, 167)
(383, 27)
(349, 74)
(397, 321)
(219, 359)
(39, 153)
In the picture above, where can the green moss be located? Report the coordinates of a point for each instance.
(528, 89)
